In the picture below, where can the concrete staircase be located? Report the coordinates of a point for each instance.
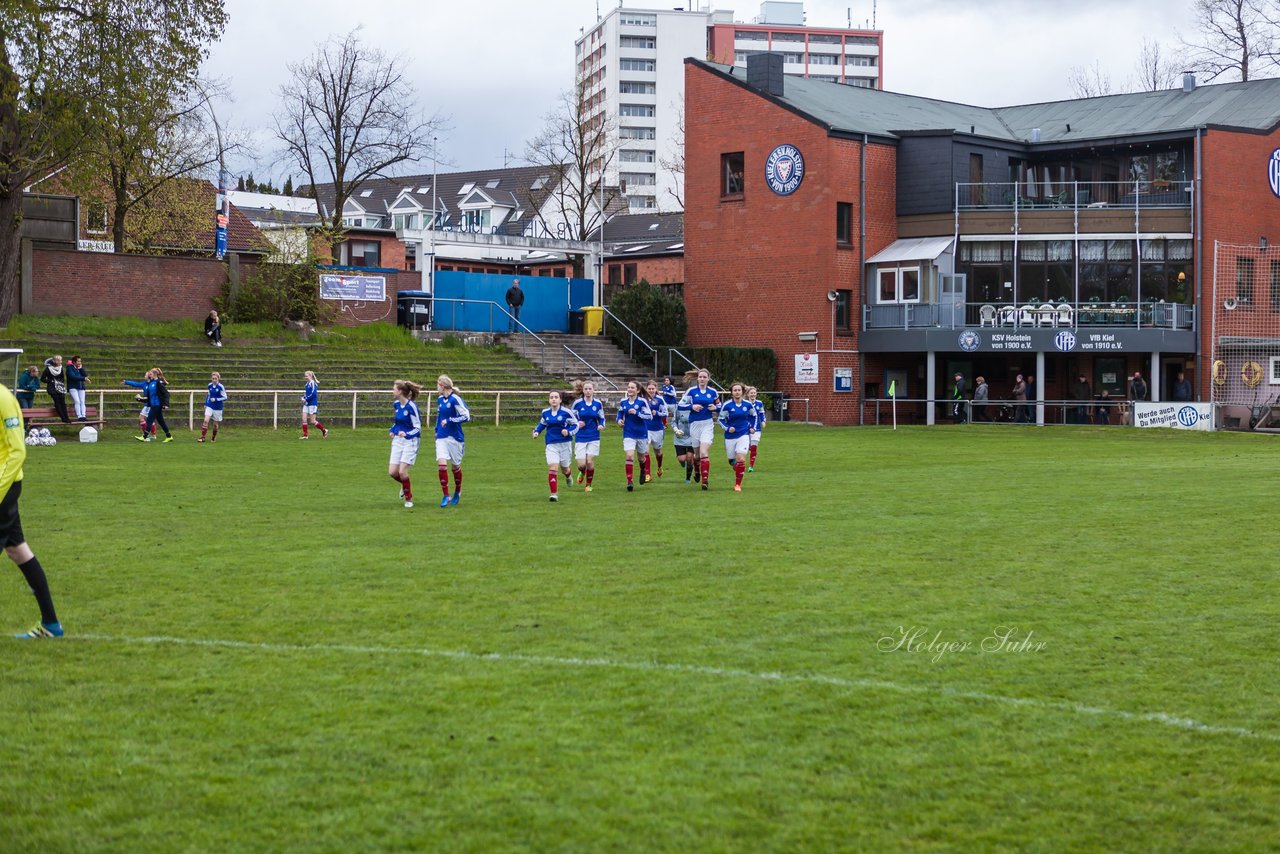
(596, 351)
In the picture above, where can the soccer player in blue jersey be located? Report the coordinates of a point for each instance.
(13, 453)
(311, 405)
(669, 395)
(634, 415)
(657, 427)
(759, 425)
(157, 394)
(406, 434)
(590, 413)
(560, 424)
(451, 414)
(213, 402)
(738, 418)
(701, 402)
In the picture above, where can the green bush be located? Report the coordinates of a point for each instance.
(656, 317)
(757, 366)
(277, 292)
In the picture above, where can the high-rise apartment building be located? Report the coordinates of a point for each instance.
(631, 68)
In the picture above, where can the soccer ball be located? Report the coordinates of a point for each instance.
(48, 441)
(44, 433)
(33, 439)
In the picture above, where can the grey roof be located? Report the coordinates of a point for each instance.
(267, 217)
(1252, 106)
(643, 234)
(513, 189)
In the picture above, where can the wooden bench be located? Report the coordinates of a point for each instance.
(47, 416)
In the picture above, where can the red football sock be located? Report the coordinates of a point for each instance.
(444, 478)
(215, 430)
(551, 479)
(659, 456)
(457, 479)
(154, 428)
(644, 466)
(591, 472)
(753, 454)
(739, 469)
(704, 467)
(408, 490)
(305, 428)
(630, 471)
(320, 427)
(204, 428)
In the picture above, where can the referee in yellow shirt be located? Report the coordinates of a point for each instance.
(14, 450)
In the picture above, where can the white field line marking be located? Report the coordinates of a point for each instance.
(1161, 718)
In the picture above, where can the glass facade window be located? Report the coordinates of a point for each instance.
(844, 313)
(634, 110)
(823, 59)
(1244, 280)
(637, 87)
(640, 42)
(789, 37)
(751, 35)
(631, 19)
(637, 133)
(628, 155)
(844, 223)
(636, 65)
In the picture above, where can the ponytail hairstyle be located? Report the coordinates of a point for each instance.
(408, 388)
(159, 374)
(311, 376)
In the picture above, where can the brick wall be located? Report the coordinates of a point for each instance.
(1239, 208)
(758, 268)
(153, 288)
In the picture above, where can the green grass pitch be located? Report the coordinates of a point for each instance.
(930, 639)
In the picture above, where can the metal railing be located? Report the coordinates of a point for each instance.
(1073, 195)
(1100, 411)
(632, 339)
(1030, 315)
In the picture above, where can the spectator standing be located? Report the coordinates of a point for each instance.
(1137, 387)
(77, 376)
(515, 299)
(55, 383)
(1019, 398)
(957, 398)
(1029, 408)
(28, 385)
(1102, 412)
(1082, 394)
(981, 393)
(1182, 388)
(213, 329)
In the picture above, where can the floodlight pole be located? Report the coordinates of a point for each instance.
(222, 206)
(431, 253)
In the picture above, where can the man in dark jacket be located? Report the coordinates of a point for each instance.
(1083, 395)
(515, 299)
(1137, 387)
(957, 398)
(1182, 388)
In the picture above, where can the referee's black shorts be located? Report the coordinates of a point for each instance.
(10, 523)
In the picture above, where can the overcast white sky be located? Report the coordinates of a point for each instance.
(495, 67)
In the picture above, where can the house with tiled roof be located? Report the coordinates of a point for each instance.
(644, 246)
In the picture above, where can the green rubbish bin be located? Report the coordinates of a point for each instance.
(593, 319)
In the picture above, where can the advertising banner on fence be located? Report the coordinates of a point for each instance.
(370, 288)
(1180, 416)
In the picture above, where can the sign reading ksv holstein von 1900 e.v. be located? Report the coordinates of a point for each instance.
(1062, 340)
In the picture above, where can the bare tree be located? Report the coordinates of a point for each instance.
(576, 147)
(1155, 68)
(1231, 36)
(348, 115)
(673, 159)
(1089, 81)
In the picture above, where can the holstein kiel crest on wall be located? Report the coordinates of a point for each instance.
(970, 341)
(784, 170)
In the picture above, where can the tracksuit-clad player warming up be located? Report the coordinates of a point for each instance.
(738, 418)
(561, 425)
(657, 427)
(634, 415)
(759, 425)
(406, 434)
(590, 413)
(451, 414)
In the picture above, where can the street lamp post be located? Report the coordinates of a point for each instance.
(222, 206)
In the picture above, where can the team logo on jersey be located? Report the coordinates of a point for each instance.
(970, 341)
(1065, 341)
(1188, 416)
(10, 423)
(1273, 171)
(784, 170)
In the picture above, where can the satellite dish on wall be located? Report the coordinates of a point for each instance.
(1230, 303)
(831, 296)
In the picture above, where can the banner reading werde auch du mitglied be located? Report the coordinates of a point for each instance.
(1180, 416)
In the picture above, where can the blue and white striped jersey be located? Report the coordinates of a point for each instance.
(709, 400)
(739, 416)
(634, 416)
(216, 397)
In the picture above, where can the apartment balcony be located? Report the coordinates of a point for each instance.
(1074, 207)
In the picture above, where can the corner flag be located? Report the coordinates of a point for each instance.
(892, 384)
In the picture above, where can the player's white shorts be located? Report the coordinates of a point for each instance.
(755, 438)
(734, 445)
(559, 454)
(655, 439)
(404, 451)
(211, 414)
(702, 432)
(449, 449)
(640, 446)
(309, 410)
(144, 412)
(587, 449)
